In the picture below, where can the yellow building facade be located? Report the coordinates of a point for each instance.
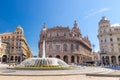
(17, 48)
(3, 47)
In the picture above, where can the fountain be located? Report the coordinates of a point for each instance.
(43, 63)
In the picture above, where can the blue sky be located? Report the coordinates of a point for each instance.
(31, 14)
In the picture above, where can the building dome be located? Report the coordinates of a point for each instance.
(19, 28)
(104, 20)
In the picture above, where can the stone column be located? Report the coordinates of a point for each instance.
(79, 59)
(75, 59)
(101, 60)
(82, 58)
(61, 57)
(69, 59)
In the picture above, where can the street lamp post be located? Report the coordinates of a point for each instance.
(93, 46)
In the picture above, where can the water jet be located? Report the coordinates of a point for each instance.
(42, 63)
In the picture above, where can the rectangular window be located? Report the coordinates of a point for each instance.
(50, 35)
(105, 40)
(119, 44)
(110, 34)
(110, 30)
(112, 50)
(64, 34)
(118, 39)
(111, 39)
(119, 49)
(57, 47)
(111, 44)
(8, 37)
(50, 46)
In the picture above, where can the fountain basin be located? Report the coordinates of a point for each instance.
(42, 64)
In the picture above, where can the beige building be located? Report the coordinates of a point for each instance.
(66, 44)
(3, 47)
(17, 48)
(109, 41)
(97, 58)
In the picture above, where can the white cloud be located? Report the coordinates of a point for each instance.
(97, 12)
(97, 50)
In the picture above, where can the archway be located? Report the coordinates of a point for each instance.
(107, 60)
(11, 58)
(50, 56)
(4, 58)
(103, 60)
(119, 59)
(19, 59)
(65, 47)
(58, 56)
(16, 58)
(78, 59)
(72, 59)
(113, 60)
(65, 58)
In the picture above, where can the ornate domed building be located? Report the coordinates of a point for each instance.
(17, 48)
(66, 44)
(109, 42)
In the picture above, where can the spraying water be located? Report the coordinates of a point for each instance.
(43, 63)
(43, 56)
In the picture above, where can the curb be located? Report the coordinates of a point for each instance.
(40, 75)
(103, 75)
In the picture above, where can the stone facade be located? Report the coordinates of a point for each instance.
(3, 47)
(109, 40)
(66, 44)
(97, 58)
(17, 48)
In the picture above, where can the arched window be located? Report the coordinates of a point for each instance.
(64, 34)
(57, 47)
(77, 47)
(50, 35)
(4, 58)
(58, 56)
(65, 47)
(17, 32)
(72, 59)
(65, 58)
(11, 58)
(57, 34)
(50, 46)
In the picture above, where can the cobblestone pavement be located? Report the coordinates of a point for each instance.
(71, 77)
(74, 71)
(73, 74)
